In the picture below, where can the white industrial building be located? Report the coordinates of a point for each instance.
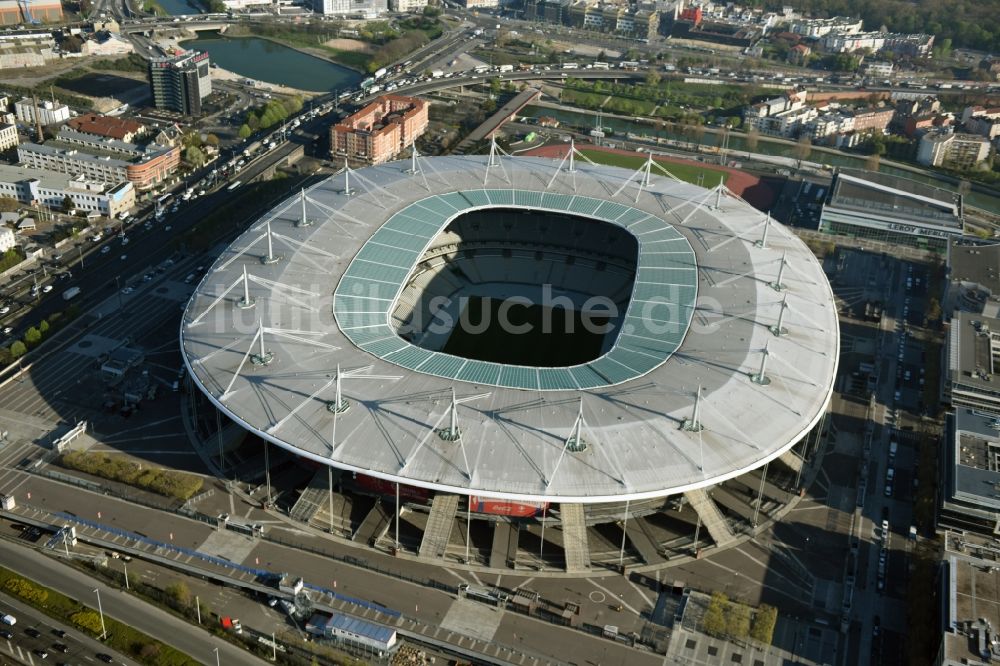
(49, 112)
(8, 137)
(47, 188)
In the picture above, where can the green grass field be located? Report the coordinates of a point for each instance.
(536, 347)
(687, 173)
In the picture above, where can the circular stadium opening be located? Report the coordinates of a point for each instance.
(520, 287)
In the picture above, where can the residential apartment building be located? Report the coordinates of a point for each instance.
(7, 239)
(959, 151)
(49, 113)
(914, 46)
(821, 27)
(146, 170)
(120, 129)
(982, 121)
(38, 187)
(878, 69)
(380, 131)
(407, 5)
(781, 116)
(181, 82)
(351, 8)
(8, 137)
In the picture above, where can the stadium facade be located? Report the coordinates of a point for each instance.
(336, 328)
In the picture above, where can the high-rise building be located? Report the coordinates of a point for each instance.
(180, 82)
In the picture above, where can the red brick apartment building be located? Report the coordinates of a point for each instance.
(380, 131)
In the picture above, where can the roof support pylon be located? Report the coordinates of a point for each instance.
(347, 191)
(762, 243)
(761, 377)
(693, 424)
(304, 221)
(340, 404)
(263, 356)
(777, 329)
(247, 301)
(414, 167)
(574, 443)
(777, 285)
(270, 258)
(718, 191)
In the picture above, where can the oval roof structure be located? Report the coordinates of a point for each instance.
(757, 337)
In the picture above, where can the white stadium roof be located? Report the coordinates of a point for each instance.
(322, 295)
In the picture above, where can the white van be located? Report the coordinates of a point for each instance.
(9, 620)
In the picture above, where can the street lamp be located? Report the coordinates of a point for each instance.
(125, 564)
(216, 651)
(100, 609)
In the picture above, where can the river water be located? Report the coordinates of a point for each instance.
(737, 144)
(180, 7)
(270, 62)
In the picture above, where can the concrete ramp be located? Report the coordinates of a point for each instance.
(575, 543)
(711, 516)
(440, 522)
(314, 495)
(641, 541)
(374, 525)
(503, 554)
(791, 461)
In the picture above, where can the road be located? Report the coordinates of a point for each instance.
(159, 624)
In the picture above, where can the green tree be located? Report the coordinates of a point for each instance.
(212, 140)
(32, 337)
(738, 621)
(17, 350)
(9, 204)
(194, 156)
(67, 204)
(43, 327)
(753, 138)
(179, 594)
(244, 131)
(714, 620)
(762, 627)
(430, 11)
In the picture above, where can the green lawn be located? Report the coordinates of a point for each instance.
(686, 172)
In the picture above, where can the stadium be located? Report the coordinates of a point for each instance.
(520, 362)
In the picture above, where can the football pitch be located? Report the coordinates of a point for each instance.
(545, 337)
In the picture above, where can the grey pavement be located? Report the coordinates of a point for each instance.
(159, 624)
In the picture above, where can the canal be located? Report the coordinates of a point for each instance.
(271, 62)
(180, 7)
(738, 144)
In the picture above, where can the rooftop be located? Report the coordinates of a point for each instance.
(976, 264)
(516, 421)
(971, 351)
(976, 455)
(50, 179)
(973, 603)
(109, 126)
(869, 192)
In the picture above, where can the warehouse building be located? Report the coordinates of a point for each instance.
(146, 168)
(14, 12)
(864, 204)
